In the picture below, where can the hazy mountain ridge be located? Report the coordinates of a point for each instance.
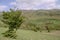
(39, 13)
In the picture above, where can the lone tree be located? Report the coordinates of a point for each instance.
(14, 19)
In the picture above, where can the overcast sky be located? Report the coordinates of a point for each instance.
(29, 4)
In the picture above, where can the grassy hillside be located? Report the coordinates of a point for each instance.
(41, 17)
(36, 19)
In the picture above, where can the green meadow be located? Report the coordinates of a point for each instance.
(35, 21)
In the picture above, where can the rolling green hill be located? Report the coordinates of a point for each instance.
(41, 17)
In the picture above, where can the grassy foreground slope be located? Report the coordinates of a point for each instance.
(31, 35)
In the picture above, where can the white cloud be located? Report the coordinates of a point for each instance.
(36, 4)
(2, 7)
(13, 3)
